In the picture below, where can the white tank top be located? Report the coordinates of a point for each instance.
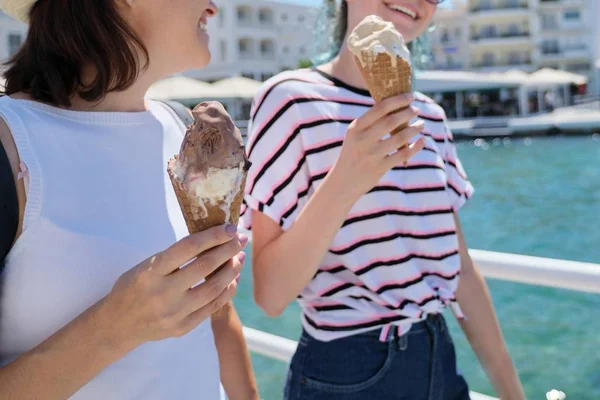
(99, 202)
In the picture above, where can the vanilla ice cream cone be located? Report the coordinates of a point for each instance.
(383, 59)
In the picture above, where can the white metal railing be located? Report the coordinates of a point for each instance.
(564, 274)
(539, 271)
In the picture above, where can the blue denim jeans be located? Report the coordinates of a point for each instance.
(419, 365)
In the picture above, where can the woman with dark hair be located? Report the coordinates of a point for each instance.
(371, 248)
(104, 294)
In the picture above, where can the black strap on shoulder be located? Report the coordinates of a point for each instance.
(182, 111)
(9, 206)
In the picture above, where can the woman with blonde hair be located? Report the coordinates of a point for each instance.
(372, 249)
(95, 303)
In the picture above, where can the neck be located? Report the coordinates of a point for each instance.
(344, 68)
(128, 100)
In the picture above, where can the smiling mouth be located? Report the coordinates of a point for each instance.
(202, 26)
(406, 11)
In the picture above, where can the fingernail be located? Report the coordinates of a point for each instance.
(241, 257)
(231, 230)
(414, 109)
(243, 239)
(237, 278)
(409, 96)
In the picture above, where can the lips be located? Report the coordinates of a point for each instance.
(404, 10)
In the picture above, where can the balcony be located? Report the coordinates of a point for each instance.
(507, 37)
(499, 6)
(498, 11)
(455, 66)
(553, 3)
(566, 53)
(503, 64)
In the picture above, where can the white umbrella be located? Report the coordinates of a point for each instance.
(182, 88)
(554, 76)
(237, 87)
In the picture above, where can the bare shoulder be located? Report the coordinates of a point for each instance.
(8, 143)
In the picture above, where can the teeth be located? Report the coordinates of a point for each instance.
(404, 10)
(202, 26)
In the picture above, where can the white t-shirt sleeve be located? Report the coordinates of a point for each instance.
(278, 180)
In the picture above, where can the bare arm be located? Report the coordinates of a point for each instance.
(62, 364)
(285, 262)
(482, 328)
(234, 359)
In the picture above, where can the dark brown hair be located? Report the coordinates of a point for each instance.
(66, 38)
(341, 24)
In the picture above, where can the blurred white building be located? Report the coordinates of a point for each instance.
(12, 35)
(257, 39)
(499, 35)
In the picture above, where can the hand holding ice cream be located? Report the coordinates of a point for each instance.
(383, 60)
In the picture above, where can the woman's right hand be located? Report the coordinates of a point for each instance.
(365, 156)
(157, 299)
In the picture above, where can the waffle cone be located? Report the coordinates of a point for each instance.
(385, 77)
(200, 217)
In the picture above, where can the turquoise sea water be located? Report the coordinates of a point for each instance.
(534, 196)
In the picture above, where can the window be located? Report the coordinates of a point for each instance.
(572, 15)
(221, 17)
(267, 48)
(550, 47)
(579, 67)
(514, 30)
(244, 14)
(246, 107)
(265, 16)
(488, 59)
(223, 45)
(248, 75)
(245, 47)
(515, 58)
(549, 21)
(14, 43)
(265, 75)
(488, 31)
(445, 36)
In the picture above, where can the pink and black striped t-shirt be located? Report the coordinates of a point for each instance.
(396, 258)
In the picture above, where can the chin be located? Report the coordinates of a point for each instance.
(200, 60)
(410, 30)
